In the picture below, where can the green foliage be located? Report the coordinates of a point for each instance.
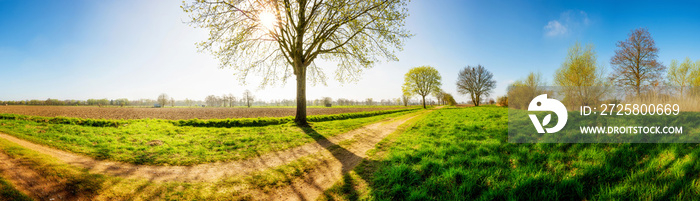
(423, 81)
(66, 120)
(684, 75)
(503, 101)
(463, 154)
(525, 89)
(581, 69)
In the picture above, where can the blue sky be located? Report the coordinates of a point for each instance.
(139, 49)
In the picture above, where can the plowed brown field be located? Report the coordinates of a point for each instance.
(171, 113)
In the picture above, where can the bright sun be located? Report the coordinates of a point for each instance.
(267, 19)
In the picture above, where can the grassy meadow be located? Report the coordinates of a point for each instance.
(80, 184)
(160, 142)
(463, 154)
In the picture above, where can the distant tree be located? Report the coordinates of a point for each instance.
(369, 101)
(231, 100)
(522, 91)
(397, 101)
(448, 99)
(248, 98)
(163, 99)
(681, 75)
(440, 95)
(405, 98)
(172, 102)
(327, 101)
(211, 100)
(475, 81)
(491, 101)
(503, 101)
(634, 63)
(580, 77)
(188, 102)
(423, 81)
(272, 36)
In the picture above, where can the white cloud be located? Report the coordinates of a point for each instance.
(568, 22)
(554, 28)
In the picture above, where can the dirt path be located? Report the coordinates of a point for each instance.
(338, 160)
(30, 182)
(367, 136)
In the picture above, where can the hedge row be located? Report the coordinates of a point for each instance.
(242, 122)
(66, 120)
(228, 123)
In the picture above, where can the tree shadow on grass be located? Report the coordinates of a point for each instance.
(348, 160)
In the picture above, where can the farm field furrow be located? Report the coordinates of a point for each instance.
(174, 113)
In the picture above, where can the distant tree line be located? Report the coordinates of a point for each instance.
(635, 70)
(227, 100)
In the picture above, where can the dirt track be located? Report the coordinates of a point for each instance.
(335, 161)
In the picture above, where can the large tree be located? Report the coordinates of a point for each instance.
(278, 39)
(580, 77)
(423, 81)
(634, 63)
(475, 81)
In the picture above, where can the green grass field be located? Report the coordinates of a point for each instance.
(463, 154)
(159, 142)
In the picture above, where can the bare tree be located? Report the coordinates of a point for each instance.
(172, 102)
(405, 98)
(281, 38)
(475, 81)
(163, 99)
(440, 95)
(634, 63)
(248, 98)
(231, 100)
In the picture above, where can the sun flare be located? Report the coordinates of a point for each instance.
(267, 20)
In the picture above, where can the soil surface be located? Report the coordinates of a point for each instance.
(172, 113)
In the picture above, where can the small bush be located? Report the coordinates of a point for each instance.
(503, 101)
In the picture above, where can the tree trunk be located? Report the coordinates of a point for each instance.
(424, 102)
(300, 118)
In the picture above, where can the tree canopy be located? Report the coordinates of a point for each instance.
(634, 63)
(580, 77)
(475, 81)
(423, 81)
(278, 39)
(682, 74)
